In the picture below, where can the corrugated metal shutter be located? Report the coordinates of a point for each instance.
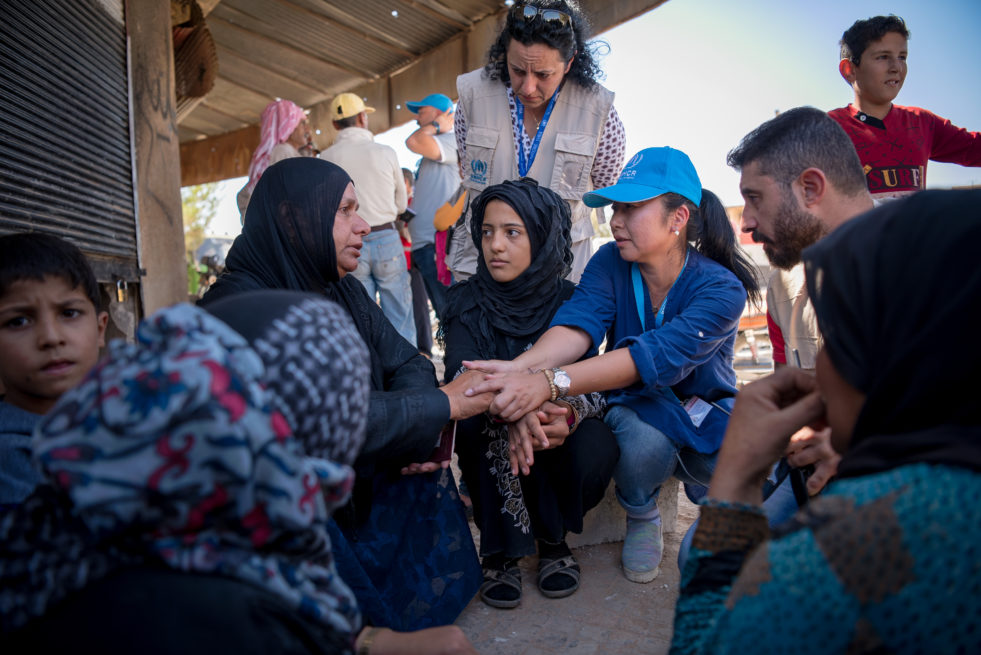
(65, 157)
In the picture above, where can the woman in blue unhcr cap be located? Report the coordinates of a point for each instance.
(667, 296)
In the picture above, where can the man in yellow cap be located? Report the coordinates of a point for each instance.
(381, 193)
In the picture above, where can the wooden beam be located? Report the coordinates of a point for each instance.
(160, 230)
(211, 107)
(218, 158)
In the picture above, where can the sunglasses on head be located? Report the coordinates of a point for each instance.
(527, 13)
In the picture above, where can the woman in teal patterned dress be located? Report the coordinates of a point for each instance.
(888, 560)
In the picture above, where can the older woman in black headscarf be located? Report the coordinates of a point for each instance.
(887, 559)
(400, 533)
(522, 233)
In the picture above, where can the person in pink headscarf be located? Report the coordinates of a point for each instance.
(285, 133)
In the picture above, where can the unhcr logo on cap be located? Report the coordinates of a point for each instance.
(478, 171)
(630, 171)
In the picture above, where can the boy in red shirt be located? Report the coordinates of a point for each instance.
(894, 143)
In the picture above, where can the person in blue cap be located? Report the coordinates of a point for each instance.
(667, 297)
(438, 179)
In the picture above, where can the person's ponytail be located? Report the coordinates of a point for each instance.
(710, 231)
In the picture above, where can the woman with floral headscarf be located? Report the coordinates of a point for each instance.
(284, 133)
(403, 542)
(189, 483)
(187, 487)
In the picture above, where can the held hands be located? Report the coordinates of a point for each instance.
(554, 421)
(542, 430)
(516, 393)
(463, 403)
(493, 366)
(766, 414)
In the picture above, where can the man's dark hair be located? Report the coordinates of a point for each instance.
(799, 139)
(570, 43)
(34, 256)
(863, 32)
(343, 123)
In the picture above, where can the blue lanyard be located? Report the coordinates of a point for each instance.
(639, 289)
(525, 160)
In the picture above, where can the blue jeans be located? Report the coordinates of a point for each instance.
(382, 270)
(424, 260)
(647, 459)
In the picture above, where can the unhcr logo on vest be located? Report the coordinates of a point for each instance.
(630, 170)
(478, 171)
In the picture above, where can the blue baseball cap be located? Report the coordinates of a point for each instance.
(652, 172)
(437, 100)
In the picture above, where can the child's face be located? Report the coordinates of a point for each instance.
(50, 335)
(882, 70)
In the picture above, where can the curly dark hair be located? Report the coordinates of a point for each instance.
(585, 70)
(863, 32)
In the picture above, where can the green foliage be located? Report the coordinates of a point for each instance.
(200, 204)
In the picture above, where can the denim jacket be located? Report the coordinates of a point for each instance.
(689, 355)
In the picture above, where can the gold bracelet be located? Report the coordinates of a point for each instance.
(575, 413)
(369, 634)
(553, 390)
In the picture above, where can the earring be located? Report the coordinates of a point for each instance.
(677, 233)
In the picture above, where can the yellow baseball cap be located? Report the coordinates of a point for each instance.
(346, 105)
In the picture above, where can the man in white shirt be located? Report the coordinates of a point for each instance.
(377, 177)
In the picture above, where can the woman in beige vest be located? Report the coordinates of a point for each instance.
(536, 110)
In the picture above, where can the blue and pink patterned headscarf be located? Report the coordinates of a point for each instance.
(203, 450)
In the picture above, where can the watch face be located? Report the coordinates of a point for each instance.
(562, 380)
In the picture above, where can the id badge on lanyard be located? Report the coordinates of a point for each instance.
(526, 159)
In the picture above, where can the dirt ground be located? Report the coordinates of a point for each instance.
(609, 614)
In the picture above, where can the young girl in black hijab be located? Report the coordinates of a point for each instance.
(522, 233)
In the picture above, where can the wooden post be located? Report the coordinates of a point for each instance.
(156, 155)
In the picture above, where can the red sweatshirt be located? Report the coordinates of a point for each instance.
(894, 152)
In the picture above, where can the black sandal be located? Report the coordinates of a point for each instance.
(558, 571)
(502, 582)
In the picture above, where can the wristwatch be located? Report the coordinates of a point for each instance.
(436, 125)
(561, 381)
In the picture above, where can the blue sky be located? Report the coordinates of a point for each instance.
(699, 74)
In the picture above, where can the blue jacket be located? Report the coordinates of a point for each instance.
(689, 355)
(18, 475)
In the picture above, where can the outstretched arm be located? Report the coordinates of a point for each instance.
(520, 393)
(559, 345)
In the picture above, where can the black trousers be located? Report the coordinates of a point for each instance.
(564, 483)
